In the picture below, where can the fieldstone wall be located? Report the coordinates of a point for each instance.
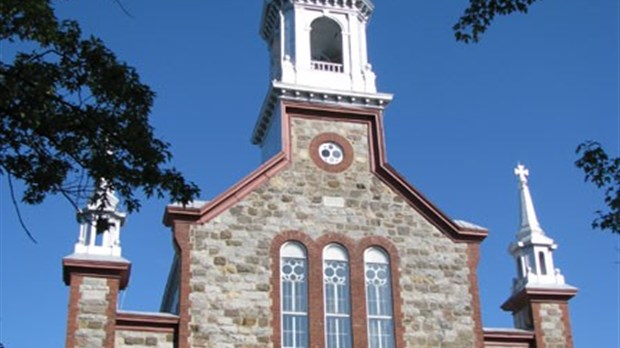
(93, 314)
(230, 287)
(137, 339)
(552, 325)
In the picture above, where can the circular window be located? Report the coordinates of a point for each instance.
(331, 153)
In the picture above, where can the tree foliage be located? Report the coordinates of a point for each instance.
(71, 114)
(480, 13)
(604, 172)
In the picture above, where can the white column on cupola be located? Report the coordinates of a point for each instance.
(100, 227)
(533, 250)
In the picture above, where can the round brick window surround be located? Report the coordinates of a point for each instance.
(331, 152)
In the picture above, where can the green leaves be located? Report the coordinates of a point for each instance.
(480, 13)
(604, 172)
(71, 114)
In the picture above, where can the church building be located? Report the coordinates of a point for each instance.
(324, 245)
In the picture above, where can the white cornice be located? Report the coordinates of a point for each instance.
(283, 91)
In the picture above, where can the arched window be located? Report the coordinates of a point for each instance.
(294, 295)
(337, 297)
(326, 45)
(543, 264)
(378, 298)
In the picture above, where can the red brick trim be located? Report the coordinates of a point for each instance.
(347, 149)
(379, 167)
(473, 258)
(75, 281)
(509, 338)
(230, 197)
(180, 230)
(147, 322)
(110, 326)
(567, 327)
(538, 323)
(532, 295)
(397, 300)
(97, 269)
(357, 312)
(537, 320)
(313, 315)
(316, 315)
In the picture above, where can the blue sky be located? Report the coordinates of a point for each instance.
(463, 116)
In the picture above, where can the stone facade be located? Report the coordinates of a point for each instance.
(138, 339)
(93, 311)
(553, 325)
(231, 267)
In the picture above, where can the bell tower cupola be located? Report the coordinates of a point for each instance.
(318, 54)
(319, 43)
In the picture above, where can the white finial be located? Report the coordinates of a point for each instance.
(522, 173)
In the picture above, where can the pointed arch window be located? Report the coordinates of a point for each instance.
(294, 295)
(326, 45)
(337, 299)
(378, 298)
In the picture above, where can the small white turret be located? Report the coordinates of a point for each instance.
(100, 228)
(533, 250)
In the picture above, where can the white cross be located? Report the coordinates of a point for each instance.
(522, 173)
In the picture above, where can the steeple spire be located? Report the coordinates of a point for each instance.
(529, 221)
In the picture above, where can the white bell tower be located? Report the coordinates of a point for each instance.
(318, 54)
(533, 250)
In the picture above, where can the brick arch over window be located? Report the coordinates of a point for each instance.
(316, 311)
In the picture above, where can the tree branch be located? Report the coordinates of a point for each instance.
(17, 211)
(118, 2)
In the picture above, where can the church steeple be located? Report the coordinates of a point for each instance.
(539, 299)
(533, 250)
(318, 54)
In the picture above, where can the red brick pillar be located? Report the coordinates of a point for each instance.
(94, 285)
(545, 312)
